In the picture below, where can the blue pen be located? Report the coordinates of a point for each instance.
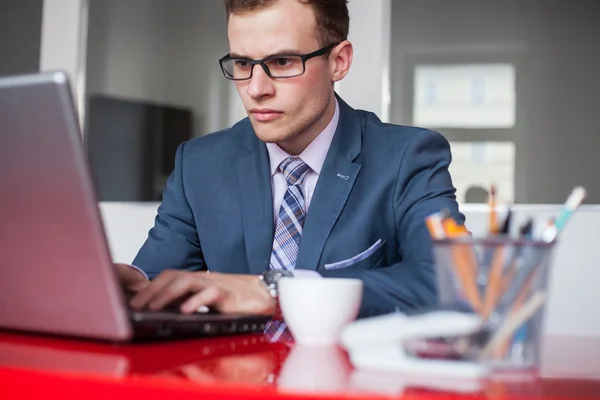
(574, 200)
(520, 336)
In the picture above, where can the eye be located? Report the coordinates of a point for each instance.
(283, 62)
(241, 63)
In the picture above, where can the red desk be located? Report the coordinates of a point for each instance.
(251, 367)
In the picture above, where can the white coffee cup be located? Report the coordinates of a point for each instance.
(310, 368)
(316, 310)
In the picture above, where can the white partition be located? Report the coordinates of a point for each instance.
(367, 85)
(575, 279)
(63, 41)
(127, 225)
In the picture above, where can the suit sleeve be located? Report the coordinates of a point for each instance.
(423, 187)
(173, 241)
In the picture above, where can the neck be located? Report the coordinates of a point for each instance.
(296, 145)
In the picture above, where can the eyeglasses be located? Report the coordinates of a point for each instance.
(276, 66)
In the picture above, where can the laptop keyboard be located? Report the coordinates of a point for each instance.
(171, 323)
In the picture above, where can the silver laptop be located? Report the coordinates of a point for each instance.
(57, 273)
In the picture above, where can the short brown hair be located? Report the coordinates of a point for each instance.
(333, 19)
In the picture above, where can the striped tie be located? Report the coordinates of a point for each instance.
(290, 220)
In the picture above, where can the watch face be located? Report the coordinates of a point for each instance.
(285, 274)
(272, 276)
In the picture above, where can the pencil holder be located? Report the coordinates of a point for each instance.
(505, 281)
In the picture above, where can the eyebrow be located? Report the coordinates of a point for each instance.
(279, 53)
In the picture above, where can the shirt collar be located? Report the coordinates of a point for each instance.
(314, 154)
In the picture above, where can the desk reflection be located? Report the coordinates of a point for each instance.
(315, 369)
(255, 369)
(253, 362)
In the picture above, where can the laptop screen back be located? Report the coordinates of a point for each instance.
(56, 266)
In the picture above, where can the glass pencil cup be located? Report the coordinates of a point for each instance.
(505, 281)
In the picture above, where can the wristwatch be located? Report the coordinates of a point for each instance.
(270, 278)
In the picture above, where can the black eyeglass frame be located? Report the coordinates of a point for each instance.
(303, 57)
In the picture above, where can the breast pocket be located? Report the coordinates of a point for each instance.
(370, 258)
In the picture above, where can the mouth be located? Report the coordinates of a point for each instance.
(265, 115)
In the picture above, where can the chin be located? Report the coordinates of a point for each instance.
(270, 136)
(269, 132)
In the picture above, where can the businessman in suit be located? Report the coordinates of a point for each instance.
(305, 186)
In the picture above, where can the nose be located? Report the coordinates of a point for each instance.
(261, 85)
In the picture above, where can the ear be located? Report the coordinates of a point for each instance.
(340, 60)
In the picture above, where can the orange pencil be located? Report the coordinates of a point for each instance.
(435, 226)
(493, 216)
(464, 263)
(495, 283)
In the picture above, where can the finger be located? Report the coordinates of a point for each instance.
(177, 288)
(206, 297)
(138, 287)
(128, 275)
(133, 290)
(141, 299)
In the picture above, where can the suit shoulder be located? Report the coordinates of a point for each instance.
(225, 140)
(374, 129)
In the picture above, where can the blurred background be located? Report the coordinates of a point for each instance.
(512, 84)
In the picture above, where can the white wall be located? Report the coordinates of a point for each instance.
(64, 29)
(127, 49)
(199, 39)
(63, 25)
(127, 225)
(162, 51)
(367, 84)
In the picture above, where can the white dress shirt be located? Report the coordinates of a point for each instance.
(314, 156)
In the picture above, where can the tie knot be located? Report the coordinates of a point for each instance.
(294, 170)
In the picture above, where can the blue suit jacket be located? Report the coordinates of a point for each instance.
(378, 181)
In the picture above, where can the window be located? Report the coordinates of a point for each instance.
(473, 105)
(464, 96)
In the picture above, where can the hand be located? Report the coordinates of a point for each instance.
(244, 368)
(228, 293)
(131, 279)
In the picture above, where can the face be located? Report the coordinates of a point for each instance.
(288, 111)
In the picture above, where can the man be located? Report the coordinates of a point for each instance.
(305, 185)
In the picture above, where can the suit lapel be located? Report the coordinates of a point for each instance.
(335, 183)
(257, 204)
